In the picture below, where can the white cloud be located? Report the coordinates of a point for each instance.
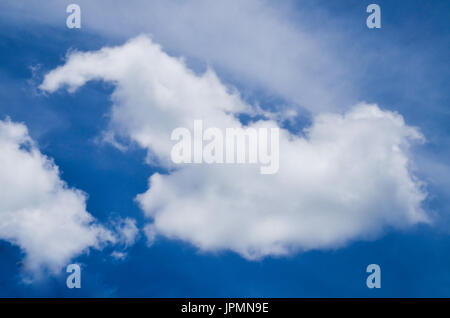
(119, 255)
(126, 231)
(155, 93)
(347, 179)
(267, 46)
(38, 211)
(150, 233)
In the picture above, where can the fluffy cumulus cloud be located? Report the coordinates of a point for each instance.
(38, 211)
(154, 94)
(346, 177)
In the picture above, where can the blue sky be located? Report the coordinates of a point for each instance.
(401, 67)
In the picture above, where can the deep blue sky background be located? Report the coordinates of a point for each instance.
(414, 263)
